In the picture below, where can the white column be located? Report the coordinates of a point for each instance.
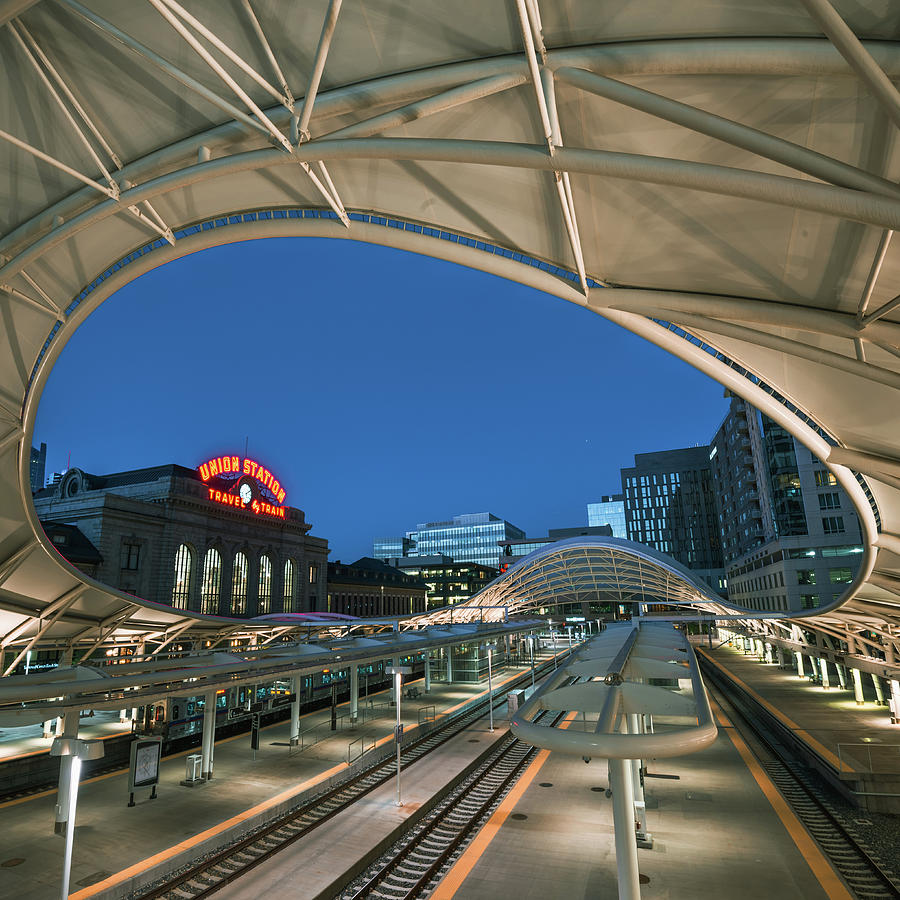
(623, 821)
(800, 670)
(842, 676)
(448, 653)
(895, 701)
(638, 789)
(70, 730)
(427, 671)
(49, 728)
(354, 692)
(857, 687)
(879, 693)
(823, 668)
(123, 715)
(296, 687)
(209, 734)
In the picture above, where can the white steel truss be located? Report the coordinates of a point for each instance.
(688, 187)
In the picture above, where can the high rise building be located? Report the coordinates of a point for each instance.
(446, 582)
(38, 467)
(475, 537)
(609, 511)
(670, 506)
(790, 536)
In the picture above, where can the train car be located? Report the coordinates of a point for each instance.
(180, 719)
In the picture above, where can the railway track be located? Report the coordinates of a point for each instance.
(206, 876)
(420, 858)
(810, 800)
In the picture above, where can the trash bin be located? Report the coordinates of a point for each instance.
(192, 768)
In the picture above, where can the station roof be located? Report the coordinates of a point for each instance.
(719, 178)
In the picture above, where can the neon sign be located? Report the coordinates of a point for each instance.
(243, 484)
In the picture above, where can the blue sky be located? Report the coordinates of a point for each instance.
(382, 388)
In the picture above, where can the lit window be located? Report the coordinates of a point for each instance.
(212, 580)
(288, 594)
(181, 589)
(842, 575)
(824, 478)
(265, 584)
(313, 573)
(239, 584)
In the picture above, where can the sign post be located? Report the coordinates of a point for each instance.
(143, 771)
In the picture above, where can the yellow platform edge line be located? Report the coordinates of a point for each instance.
(831, 882)
(457, 875)
(804, 735)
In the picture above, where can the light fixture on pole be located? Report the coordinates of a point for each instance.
(76, 750)
(398, 672)
(531, 646)
(490, 689)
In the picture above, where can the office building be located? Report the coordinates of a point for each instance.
(790, 537)
(670, 506)
(217, 539)
(38, 467)
(446, 582)
(515, 550)
(473, 538)
(609, 511)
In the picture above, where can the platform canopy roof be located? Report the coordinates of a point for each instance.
(719, 177)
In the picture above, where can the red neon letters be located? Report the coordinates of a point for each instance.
(233, 465)
(260, 507)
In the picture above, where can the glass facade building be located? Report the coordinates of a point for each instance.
(475, 538)
(670, 506)
(609, 511)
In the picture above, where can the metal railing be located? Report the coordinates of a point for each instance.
(357, 748)
(869, 758)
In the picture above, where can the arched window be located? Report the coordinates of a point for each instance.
(212, 581)
(265, 584)
(239, 584)
(181, 589)
(288, 582)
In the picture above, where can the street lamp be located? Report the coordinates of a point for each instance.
(398, 672)
(490, 689)
(531, 647)
(76, 750)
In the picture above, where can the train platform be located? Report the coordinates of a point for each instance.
(719, 828)
(29, 740)
(854, 746)
(117, 848)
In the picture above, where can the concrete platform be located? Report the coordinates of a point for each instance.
(117, 847)
(852, 745)
(715, 835)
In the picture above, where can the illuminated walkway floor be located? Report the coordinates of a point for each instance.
(114, 843)
(715, 835)
(850, 739)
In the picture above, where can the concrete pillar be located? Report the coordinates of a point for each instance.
(448, 653)
(69, 730)
(823, 668)
(354, 692)
(879, 693)
(296, 686)
(49, 728)
(842, 676)
(427, 671)
(209, 734)
(895, 701)
(857, 687)
(623, 821)
(800, 669)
